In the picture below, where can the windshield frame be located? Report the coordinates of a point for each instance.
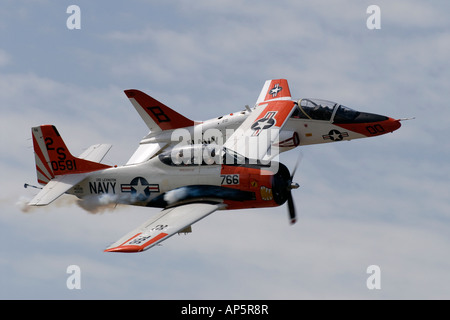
(316, 109)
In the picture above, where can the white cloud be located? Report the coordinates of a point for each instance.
(4, 58)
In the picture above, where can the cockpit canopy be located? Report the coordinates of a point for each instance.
(317, 109)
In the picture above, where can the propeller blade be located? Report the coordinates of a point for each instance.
(291, 207)
(300, 156)
(292, 185)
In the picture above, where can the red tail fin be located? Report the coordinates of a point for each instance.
(156, 115)
(274, 89)
(53, 158)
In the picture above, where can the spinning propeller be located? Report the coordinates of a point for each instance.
(292, 185)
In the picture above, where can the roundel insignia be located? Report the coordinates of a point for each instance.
(140, 188)
(264, 123)
(335, 135)
(274, 91)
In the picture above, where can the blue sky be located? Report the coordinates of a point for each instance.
(381, 201)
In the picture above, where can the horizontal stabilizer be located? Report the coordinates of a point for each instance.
(55, 188)
(96, 152)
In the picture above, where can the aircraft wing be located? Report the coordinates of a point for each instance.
(159, 118)
(155, 114)
(55, 188)
(256, 136)
(164, 225)
(96, 152)
(145, 151)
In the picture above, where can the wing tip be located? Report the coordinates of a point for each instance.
(36, 204)
(127, 249)
(130, 93)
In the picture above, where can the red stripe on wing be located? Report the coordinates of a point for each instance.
(136, 248)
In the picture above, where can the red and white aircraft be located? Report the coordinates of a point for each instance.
(191, 169)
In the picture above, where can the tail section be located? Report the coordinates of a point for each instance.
(53, 158)
(274, 89)
(156, 115)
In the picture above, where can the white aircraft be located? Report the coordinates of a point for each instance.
(191, 169)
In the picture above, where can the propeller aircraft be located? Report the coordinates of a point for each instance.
(190, 169)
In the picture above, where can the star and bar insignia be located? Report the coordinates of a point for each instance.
(140, 188)
(335, 135)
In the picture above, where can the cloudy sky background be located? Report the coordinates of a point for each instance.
(382, 201)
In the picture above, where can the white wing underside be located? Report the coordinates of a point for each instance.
(145, 151)
(167, 223)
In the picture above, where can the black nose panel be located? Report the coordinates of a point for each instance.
(358, 117)
(365, 117)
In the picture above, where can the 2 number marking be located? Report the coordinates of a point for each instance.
(63, 163)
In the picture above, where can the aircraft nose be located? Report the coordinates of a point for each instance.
(378, 123)
(369, 124)
(392, 124)
(384, 126)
